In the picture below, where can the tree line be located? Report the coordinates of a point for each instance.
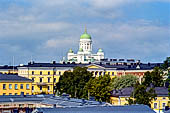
(80, 83)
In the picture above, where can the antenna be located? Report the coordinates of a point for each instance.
(85, 29)
(31, 59)
(13, 63)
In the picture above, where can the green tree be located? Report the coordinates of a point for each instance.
(155, 78)
(99, 88)
(166, 64)
(142, 95)
(123, 81)
(73, 82)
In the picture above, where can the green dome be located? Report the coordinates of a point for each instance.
(100, 50)
(85, 35)
(70, 51)
(80, 50)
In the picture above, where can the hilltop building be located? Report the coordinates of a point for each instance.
(84, 54)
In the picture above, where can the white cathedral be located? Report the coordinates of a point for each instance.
(84, 55)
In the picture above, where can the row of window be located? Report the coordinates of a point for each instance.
(41, 73)
(41, 88)
(13, 94)
(156, 105)
(15, 86)
(100, 73)
(41, 79)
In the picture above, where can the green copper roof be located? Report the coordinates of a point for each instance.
(70, 51)
(80, 50)
(85, 35)
(100, 50)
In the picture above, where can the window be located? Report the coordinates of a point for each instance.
(40, 72)
(96, 73)
(104, 73)
(59, 73)
(108, 73)
(48, 87)
(155, 105)
(10, 86)
(4, 93)
(48, 79)
(33, 79)
(112, 73)
(48, 73)
(33, 88)
(16, 93)
(54, 72)
(10, 93)
(164, 98)
(21, 86)
(54, 79)
(27, 86)
(163, 105)
(41, 79)
(41, 88)
(32, 72)
(16, 86)
(27, 93)
(100, 73)
(4, 86)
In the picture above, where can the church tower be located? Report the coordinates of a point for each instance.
(84, 54)
(85, 43)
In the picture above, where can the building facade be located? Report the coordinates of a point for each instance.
(46, 75)
(158, 104)
(15, 85)
(84, 54)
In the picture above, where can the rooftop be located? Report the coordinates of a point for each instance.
(12, 77)
(99, 109)
(160, 91)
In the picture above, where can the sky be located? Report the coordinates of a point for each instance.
(44, 30)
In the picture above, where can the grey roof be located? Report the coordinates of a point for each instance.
(118, 67)
(71, 102)
(12, 77)
(160, 91)
(51, 100)
(99, 109)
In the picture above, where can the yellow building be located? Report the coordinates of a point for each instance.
(46, 75)
(120, 97)
(15, 85)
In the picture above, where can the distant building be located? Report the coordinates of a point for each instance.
(8, 69)
(84, 54)
(119, 97)
(46, 75)
(15, 85)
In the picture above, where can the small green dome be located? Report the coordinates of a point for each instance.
(80, 50)
(100, 50)
(85, 35)
(70, 51)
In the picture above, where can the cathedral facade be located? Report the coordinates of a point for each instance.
(84, 54)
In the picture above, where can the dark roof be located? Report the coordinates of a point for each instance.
(8, 67)
(11, 77)
(160, 91)
(51, 100)
(99, 109)
(118, 67)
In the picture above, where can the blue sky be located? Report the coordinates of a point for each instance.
(45, 30)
